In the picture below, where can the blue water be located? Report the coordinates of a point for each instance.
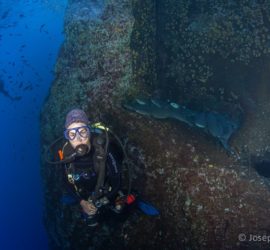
(31, 33)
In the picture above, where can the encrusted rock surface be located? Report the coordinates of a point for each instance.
(213, 55)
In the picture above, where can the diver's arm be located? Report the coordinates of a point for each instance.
(87, 206)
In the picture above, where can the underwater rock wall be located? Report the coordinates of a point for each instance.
(209, 55)
(94, 65)
(214, 55)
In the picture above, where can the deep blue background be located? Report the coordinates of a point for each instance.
(30, 38)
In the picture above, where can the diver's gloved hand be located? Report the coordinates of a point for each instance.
(88, 207)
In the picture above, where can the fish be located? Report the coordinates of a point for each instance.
(6, 94)
(41, 27)
(28, 87)
(5, 14)
(218, 125)
(2, 89)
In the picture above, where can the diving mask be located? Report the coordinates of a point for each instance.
(83, 131)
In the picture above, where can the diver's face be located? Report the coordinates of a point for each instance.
(78, 133)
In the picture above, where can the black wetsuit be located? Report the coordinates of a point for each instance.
(85, 175)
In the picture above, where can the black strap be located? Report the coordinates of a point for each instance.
(100, 166)
(100, 143)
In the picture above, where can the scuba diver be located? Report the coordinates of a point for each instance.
(92, 167)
